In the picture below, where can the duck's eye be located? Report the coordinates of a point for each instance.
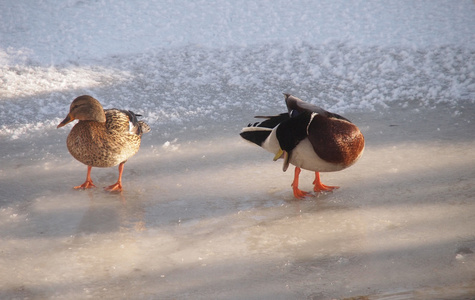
(76, 106)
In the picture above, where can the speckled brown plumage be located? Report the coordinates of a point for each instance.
(103, 144)
(102, 138)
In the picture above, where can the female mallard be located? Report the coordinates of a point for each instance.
(310, 138)
(102, 138)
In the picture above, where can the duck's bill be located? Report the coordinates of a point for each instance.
(286, 163)
(285, 155)
(279, 154)
(65, 121)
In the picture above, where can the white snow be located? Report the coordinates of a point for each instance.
(206, 215)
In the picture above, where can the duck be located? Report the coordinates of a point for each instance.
(102, 137)
(310, 138)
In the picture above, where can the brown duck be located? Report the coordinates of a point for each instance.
(102, 138)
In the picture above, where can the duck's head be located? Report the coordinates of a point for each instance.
(84, 108)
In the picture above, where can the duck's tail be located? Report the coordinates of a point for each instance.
(144, 127)
(135, 126)
(258, 132)
(256, 135)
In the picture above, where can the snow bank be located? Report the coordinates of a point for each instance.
(192, 84)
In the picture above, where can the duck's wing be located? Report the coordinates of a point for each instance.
(297, 106)
(123, 121)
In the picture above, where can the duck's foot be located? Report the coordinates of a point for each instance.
(86, 185)
(299, 194)
(116, 187)
(324, 188)
(318, 186)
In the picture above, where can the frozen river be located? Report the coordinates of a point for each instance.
(214, 217)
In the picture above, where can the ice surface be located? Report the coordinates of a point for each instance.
(205, 215)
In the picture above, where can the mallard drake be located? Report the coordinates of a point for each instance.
(102, 138)
(310, 138)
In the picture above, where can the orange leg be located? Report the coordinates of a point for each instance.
(118, 185)
(88, 183)
(295, 185)
(320, 187)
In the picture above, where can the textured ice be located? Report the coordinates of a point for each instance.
(205, 215)
(218, 82)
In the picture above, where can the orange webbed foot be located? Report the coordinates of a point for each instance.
(116, 187)
(299, 194)
(324, 188)
(320, 187)
(86, 185)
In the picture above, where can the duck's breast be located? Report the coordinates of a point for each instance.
(304, 156)
(92, 144)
